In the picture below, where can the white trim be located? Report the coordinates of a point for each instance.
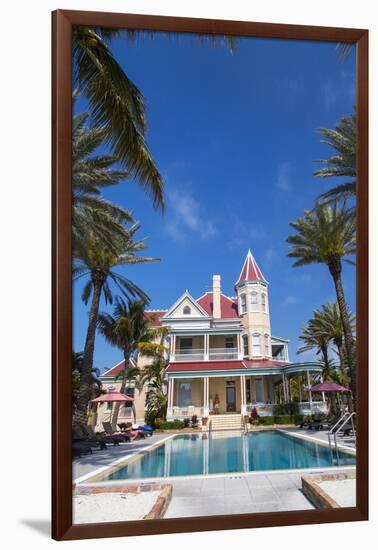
(189, 297)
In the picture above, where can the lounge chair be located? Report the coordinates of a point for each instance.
(80, 448)
(117, 436)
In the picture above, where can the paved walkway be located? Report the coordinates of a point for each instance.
(235, 494)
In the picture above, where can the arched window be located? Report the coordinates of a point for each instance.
(266, 345)
(256, 351)
(245, 346)
(187, 310)
(254, 301)
(243, 303)
(263, 302)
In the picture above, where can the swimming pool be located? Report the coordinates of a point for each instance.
(224, 452)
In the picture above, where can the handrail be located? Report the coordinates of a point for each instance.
(349, 418)
(331, 431)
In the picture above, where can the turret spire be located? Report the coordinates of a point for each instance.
(250, 270)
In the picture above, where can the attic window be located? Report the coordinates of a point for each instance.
(187, 310)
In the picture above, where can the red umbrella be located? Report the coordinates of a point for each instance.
(328, 387)
(112, 397)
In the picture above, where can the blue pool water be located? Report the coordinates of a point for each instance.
(199, 454)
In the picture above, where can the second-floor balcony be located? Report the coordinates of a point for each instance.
(214, 354)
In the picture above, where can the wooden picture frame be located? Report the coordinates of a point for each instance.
(62, 22)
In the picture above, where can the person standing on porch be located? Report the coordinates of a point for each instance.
(216, 403)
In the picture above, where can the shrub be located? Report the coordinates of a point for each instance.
(254, 416)
(266, 420)
(172, 425)
(284, 419)
(186, 422)
(285, 409)
(299, 418)
(194, 420)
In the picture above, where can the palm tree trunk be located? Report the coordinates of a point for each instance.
(334, 265)
(340, 352)
(80, 416)
(122, 390)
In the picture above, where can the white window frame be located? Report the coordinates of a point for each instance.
(244, 341)
(243, 303)
(254, 304)
(266, 345)
(256, 347)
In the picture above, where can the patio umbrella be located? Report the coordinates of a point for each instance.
(112, 397)
(328, 387)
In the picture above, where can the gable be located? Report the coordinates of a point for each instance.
(186, 307)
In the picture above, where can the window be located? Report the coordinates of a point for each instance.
(245, 346)
(266, 344)
(256, 344)
(109, 406)
(186, 345)
(243, 303)
(187, 310)
(263, 302)
(229, 342)
(254, 301)
(248, 390)
(184, 394)
(259, 390)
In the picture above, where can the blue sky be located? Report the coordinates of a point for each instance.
(234, 136)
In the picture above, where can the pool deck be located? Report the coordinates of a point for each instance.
(218, 494)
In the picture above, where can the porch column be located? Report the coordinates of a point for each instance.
(323, 394)
(173, 347)
(171, 382)
(206, 347)
(284, 387)
(205, 396)
(271, 392)
(300, 388)
(239, 346)
(309, 385)
(243, 395)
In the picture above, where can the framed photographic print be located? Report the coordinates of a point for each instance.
(210, 274)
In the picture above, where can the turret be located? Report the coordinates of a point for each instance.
(253, 304)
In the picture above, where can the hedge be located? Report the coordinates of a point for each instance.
(266, 420)
(172, 425)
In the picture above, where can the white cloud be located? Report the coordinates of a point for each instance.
(187, 217)
(284, 172)
(334, 89)
(290, 300)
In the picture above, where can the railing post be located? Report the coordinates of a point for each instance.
(206, 347)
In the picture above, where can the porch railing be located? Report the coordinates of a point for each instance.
(215, 354)
(304, 407)
(223, 353)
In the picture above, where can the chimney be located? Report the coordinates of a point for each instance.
(216, 296)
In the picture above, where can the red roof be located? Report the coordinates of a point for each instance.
(265, 363)
(250, 270)
(229, 308)
(155, 316)
(205, 365)
(115, 370)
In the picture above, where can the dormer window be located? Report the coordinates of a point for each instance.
(254, 302)
(187, 310)
(263, 302)
(243, 303)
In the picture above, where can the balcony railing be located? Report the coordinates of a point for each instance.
(223, 353)
(215, 354)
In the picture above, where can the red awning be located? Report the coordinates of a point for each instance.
(329, 387)
(112, 397)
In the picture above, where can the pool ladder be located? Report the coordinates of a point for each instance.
(346, 418)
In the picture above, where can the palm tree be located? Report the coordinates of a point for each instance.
(91, 173)
(99, 264)
(327, 235)
(115, 103)
(313, 339)
(328, 322)
(129, 330)
(343, 162)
